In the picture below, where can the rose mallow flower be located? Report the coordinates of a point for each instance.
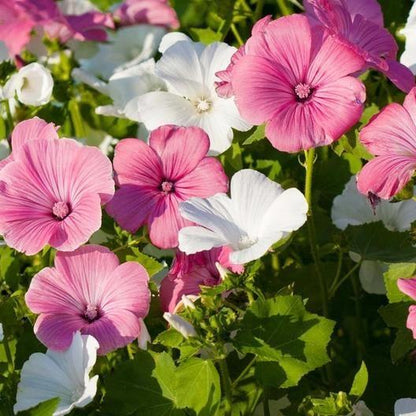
(89, 291)
(51, 191)
(408, 286)
(391, 137)
(154, 178)
(295, 78)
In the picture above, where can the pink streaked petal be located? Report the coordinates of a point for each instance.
(87, 271)
(127, 289)
(390, 132)
(90, 26)
(165, 222)
(181, 149)
(370, 9)
(260, 87)
(410, 104)
(79, 225)
(132, 205)
(56, 331)
(16, 35)
(386, 175)
(51, 292)
(333, 61)
(207, 179)
(411, 320)
(408, 287)
(136, 163)
(401, 76)
(32, 129)
(114, 330)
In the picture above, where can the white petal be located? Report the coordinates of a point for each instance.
(253, 252)
(196, 239)
(109, 110)
(144, 336)
(405, 407)
(4, 149)
(182, 326)
(4, 52)
(76, 7)
(1, 333)
(228, 109)
(81, 75)
(371, 276)
(408, 57)
(170, 39)
(159, 108)
(397, 216)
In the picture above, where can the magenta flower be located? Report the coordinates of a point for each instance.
(391, 137)
(188, 273)
(88, 290)
(152, 12)
(408, 286)
(153, 179)
(295, 79)
(360, 25)
(51, 192)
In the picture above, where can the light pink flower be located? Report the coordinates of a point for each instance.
(153, 179)
(391, 137)
(408, 286)
(188, 273)
(361, 28)
(295, 79)
(152, 12)
(88, 290)
(51, 191)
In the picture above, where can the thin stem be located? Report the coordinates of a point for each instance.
(283, 8)
(226, 383)
(244, 372)
(310, 160)
(266, 410)
(9, 115)
(259, 10)
(8, 354)
(335, 286)
(237, 34)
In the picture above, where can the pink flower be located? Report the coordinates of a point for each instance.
(88, 290)
(188, 273)
(408, 286)
(360, 26)
(153, 179)
(391, 137)
(52, 190)
(295, 79)
(152, 12)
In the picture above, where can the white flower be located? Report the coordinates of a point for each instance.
(63, 374)
(4, 149)
(76, 7)
(405, 407)
(353, 208)
(144, 336)
(408, 57)
(182, 326)
(361, 409)
(33, 85)
(189, 69)
(125, 48)
(258, 214)
(1, 333)
(4, 52)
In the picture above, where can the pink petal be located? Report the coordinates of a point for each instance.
(390, 132)
(127, 290)
(32, 129)
(401, 76)
(56, 331)
(408, 286)
(16, 35)
(370, 9)
(386, 175)
(179, 148)
(90, 26)
(114, 330)
(411, 320)
(207, 179)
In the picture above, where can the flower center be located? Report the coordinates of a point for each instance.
(60, 210)
(374, 201)
(167, 187)
(91, 313)
(202, 105)
(303, 91)
(246, 241)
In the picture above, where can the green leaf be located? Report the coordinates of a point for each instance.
(149, 263)
(395, 314)
(258, 134)
(360, 381)
(402, 345)
(206, 36)
(44, 409)
(374, 242)
(392, 275)
(281, 330)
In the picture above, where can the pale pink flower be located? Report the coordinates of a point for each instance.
(391, 137)
(152, 12)
(88, 290)
(51, 190)
(408, 287)
(360, 27)
(295, 79)
(153, 179)
(188, 273)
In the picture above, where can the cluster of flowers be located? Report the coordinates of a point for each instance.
(298, 75)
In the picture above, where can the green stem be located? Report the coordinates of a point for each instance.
(8, 354)
(9, 116)
(237, 34)
(283, 8)
(309, 163)
(259, 10)
(244, 372)
(226, 383)
(336, 285)
(76, 119)
(266, 410)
